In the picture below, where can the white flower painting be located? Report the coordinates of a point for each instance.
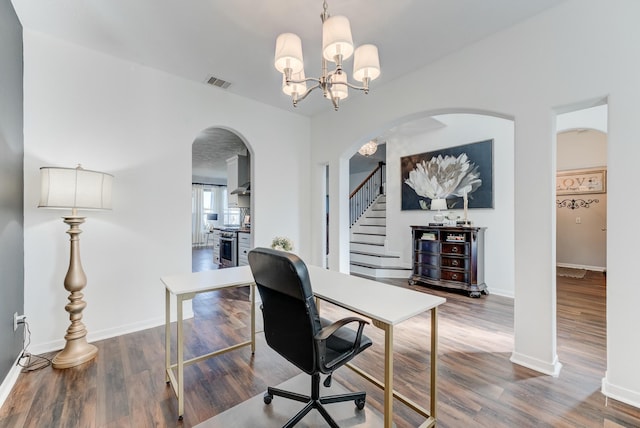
(449, 174)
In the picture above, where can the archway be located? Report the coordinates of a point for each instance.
(214, 207)
(435, 130)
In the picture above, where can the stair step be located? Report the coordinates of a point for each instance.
(367, 265)
(363, 253)
(366, 243)
(380, 273)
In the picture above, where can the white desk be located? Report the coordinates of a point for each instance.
(185, 287)
(386, 306)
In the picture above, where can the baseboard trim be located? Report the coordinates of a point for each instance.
(585, 267)
(108, 333)
(551, 369)
(619, 393)
(10, 380)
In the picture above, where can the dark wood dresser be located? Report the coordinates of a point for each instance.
(450, 257)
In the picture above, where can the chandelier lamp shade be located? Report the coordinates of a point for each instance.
(75, 189)
(337, 46)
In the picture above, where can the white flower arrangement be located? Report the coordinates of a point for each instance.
(444, 176)
(282, 243)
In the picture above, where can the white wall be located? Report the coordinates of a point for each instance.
(138, 124)
(499, 237)
(581, 233)
(527, 73)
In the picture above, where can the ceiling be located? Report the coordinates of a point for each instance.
(234, 41)
(210, 152)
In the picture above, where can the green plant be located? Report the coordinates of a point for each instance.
(282, 243)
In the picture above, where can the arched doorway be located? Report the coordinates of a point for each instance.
(213, 210)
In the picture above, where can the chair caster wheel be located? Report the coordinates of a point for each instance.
(267, 398)
(360, 403)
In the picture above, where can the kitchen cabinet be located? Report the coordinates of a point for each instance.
(244, 246)
(216, 246)
(237, 175)
(450, 257)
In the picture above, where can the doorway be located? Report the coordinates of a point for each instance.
(581, 241)
(211, 207)
(581, 189)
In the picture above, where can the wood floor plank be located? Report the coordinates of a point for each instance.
(478, 385)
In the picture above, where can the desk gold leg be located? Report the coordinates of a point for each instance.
(167, 335)
(388, 376)
(252, 295)
(434, 360)
(180, 340)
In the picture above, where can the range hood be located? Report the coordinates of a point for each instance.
(244, 189)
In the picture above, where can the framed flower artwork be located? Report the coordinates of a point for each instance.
(449, 174)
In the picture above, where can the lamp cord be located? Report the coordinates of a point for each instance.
(34, 362)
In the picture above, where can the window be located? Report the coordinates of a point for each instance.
(208, 201)
(231, 215)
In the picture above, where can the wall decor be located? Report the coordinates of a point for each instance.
(579, 181)
(574, 204)
(449, 174)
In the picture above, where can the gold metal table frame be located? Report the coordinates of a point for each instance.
(186, 287)
(374, 300)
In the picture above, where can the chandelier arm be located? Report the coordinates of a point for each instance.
(308, 90)
(330, 75)
(332, 98)
(352, 86)
(308, 79)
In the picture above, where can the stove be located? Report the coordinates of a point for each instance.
(229, 247)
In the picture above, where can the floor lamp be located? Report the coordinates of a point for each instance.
(77, 189)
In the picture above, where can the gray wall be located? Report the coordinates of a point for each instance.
(11, 186)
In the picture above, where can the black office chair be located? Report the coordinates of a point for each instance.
(294, 329)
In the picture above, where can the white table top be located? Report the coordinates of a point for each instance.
(207, 280)
(386, 303)
(383, 302)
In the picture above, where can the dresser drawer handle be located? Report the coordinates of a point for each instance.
(454, 276)
(454, 250)
(454, 263)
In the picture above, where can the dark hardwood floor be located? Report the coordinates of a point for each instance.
(478, 385)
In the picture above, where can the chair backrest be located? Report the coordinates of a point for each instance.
(290, 316)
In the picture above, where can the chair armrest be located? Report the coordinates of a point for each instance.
(327, 331)
(322, 336)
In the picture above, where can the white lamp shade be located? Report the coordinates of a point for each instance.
(339, 89)
(299, 88)
(366, 63)
(336, 38)
(438, 204)
(75, 188)
(289, 53)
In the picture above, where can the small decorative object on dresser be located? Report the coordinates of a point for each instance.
(450, 257)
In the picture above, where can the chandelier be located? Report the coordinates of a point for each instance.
(369, 148)
(337, 46)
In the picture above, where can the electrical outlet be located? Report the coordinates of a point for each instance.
(18, 319)
(578, 220)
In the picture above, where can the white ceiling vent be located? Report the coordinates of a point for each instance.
(214, 81)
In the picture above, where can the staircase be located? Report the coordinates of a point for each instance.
(369, 256)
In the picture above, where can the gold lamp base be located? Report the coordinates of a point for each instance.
(76, 349)
(74, 354)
